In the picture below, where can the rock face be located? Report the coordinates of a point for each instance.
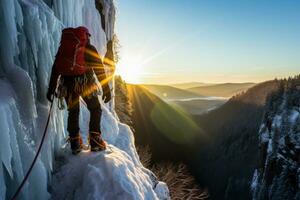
(278, 174)
(29, 38)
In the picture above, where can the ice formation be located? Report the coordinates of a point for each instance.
(29, 38)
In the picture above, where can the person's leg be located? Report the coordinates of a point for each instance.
(72, 101)
(96, 141)
(73, 122)
(94, 107)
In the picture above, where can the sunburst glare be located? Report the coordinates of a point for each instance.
(130, 68)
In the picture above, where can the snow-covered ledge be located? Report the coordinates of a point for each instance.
(29, 40)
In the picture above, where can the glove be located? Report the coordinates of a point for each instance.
(106, 97)
(50, 96)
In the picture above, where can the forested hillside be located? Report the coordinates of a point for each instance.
(278, 173)
(229, 155)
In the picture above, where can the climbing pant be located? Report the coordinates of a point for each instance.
(72, 97)
(93, 106)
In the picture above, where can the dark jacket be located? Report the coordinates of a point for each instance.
(93, 63)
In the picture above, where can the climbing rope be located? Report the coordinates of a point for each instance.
(35, 158)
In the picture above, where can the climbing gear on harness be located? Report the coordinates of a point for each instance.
(84, 85)
(96, 141)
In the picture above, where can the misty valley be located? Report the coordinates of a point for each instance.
(216, 137)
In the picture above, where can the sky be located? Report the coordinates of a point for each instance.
(213, 41)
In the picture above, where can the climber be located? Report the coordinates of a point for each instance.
(78, 64)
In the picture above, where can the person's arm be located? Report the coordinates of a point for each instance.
(92, 59)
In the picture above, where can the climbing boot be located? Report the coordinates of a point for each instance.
(96, 141)
(76, 144)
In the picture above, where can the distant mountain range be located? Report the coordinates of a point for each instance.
(191, 102)
(169, 92)
(189, 85)
(221, 90)
(184, 90)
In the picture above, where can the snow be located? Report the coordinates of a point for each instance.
(283, 145)
(29, 39)
(270, 148)
(5, 150)
(264, 137)
(105, 175)
(298, 174)
(254, 181)
(277, 121)
(293, 116)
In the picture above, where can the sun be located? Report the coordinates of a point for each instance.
(130, 68)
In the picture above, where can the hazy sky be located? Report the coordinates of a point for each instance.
(168, 41)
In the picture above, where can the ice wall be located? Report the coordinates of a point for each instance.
(29, 38)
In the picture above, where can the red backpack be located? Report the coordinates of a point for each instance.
(69, 59)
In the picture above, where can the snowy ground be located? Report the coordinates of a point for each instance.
(113, 174)
(104, 175)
